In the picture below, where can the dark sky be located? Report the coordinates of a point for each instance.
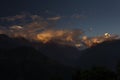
(95, 17)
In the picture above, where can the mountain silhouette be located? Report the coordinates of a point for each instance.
(20, 61)
(8, 42)
(64, 54)
(105, 54)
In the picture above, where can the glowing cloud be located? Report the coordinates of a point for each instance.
(36, 28)
(58, 36)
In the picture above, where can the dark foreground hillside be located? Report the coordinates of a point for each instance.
(100, 62)
(105, 54)
(28, 64)
(23, 62)
(19, 60)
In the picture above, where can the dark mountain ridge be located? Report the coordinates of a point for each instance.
(20, 61)
(23, 59)
(104, 54)
(64, 54)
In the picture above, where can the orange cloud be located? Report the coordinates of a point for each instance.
(39, 29)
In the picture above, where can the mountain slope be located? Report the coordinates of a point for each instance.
(66, 55)
(25, 62)
(105, 54)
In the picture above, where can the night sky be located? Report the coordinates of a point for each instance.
(95, 17)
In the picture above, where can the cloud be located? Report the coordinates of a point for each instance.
(36, 28)
(23, 25)
(13, 18)
(60, 36)
(39, 29)
(16, 27)
(54, 18)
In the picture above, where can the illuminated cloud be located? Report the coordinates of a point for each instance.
(59, 36)
(16, 27)
(39, 29)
